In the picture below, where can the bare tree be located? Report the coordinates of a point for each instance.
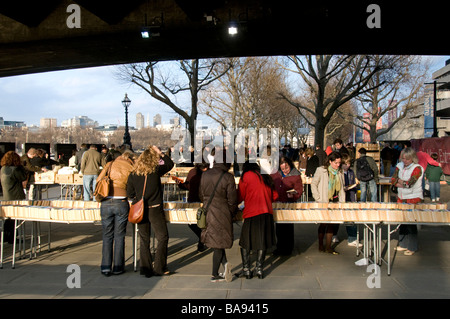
(164, 86)
(246, 97)
(400, 85)
(332, 81)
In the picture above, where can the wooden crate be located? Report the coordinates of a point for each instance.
(78, 179)
(64, 179)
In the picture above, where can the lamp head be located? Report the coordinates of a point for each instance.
(126, 101)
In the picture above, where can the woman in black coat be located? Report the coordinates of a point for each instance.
(153, 164)
(218, 233)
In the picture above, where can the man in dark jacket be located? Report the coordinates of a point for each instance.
(339, 146)
(371, 182)
(387, 156)
(321, 154)
(31, 170)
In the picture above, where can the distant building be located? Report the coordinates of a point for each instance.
(175, 121)
(107, 129)
(10, 124)
(157, 120)
(140, 121)
(46, 122)
(442, 78)
(79, 121)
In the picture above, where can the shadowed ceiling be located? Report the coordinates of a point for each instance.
(35, 36)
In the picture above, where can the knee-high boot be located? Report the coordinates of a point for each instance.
(245, 255)
(261, 255)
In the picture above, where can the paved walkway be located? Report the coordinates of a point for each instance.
(306, 274)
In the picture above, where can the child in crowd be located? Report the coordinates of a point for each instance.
(350, 196)
(433, 176)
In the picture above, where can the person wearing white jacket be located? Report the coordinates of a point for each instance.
(408, 177)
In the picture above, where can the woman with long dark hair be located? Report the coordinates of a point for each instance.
(258, 234)
(289, 186)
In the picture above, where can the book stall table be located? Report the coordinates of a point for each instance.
(51, 211)
(371, 215)
(419, 214)
(171, 189)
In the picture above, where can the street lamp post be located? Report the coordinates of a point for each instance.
(126, 136)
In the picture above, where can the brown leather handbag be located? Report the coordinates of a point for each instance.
(136, 212)
(102, 186)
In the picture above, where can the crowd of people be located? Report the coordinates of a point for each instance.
(335, 176)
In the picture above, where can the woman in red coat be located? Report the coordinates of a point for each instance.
(257, 192)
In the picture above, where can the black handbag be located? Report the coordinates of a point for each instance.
(201, 212)
(394, 189)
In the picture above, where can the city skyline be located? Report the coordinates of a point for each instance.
(91, 92)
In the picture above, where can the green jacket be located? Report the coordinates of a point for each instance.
(433, 173)
(12, 178)
(91, 162)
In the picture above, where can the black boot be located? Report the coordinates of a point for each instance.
(261, 255)
(245, 254)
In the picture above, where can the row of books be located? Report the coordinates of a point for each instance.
(59, 210)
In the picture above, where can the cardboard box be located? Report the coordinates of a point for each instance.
(78, 179)
(47, 177)
(64, 178)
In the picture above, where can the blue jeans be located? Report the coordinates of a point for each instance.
(373, 190)
(435, 189)
(408, 237)
(114, 213)
(352, 232)
(89, 180)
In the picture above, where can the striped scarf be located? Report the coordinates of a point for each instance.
(334, 182)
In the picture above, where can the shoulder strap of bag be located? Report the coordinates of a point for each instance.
(145, 184)
(214, 191)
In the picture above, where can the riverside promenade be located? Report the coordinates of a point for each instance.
(306, 274)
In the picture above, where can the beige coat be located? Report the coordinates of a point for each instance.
(319, 186)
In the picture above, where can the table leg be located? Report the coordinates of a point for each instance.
(1, 243)
(389, 250)
(14, 245)
(135, 231)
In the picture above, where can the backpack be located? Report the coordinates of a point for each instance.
(363, 171)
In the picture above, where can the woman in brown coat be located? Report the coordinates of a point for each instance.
(218, 233)
(114, 213)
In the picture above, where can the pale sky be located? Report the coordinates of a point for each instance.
(92, 92)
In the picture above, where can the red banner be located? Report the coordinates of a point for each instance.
(438, 145)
